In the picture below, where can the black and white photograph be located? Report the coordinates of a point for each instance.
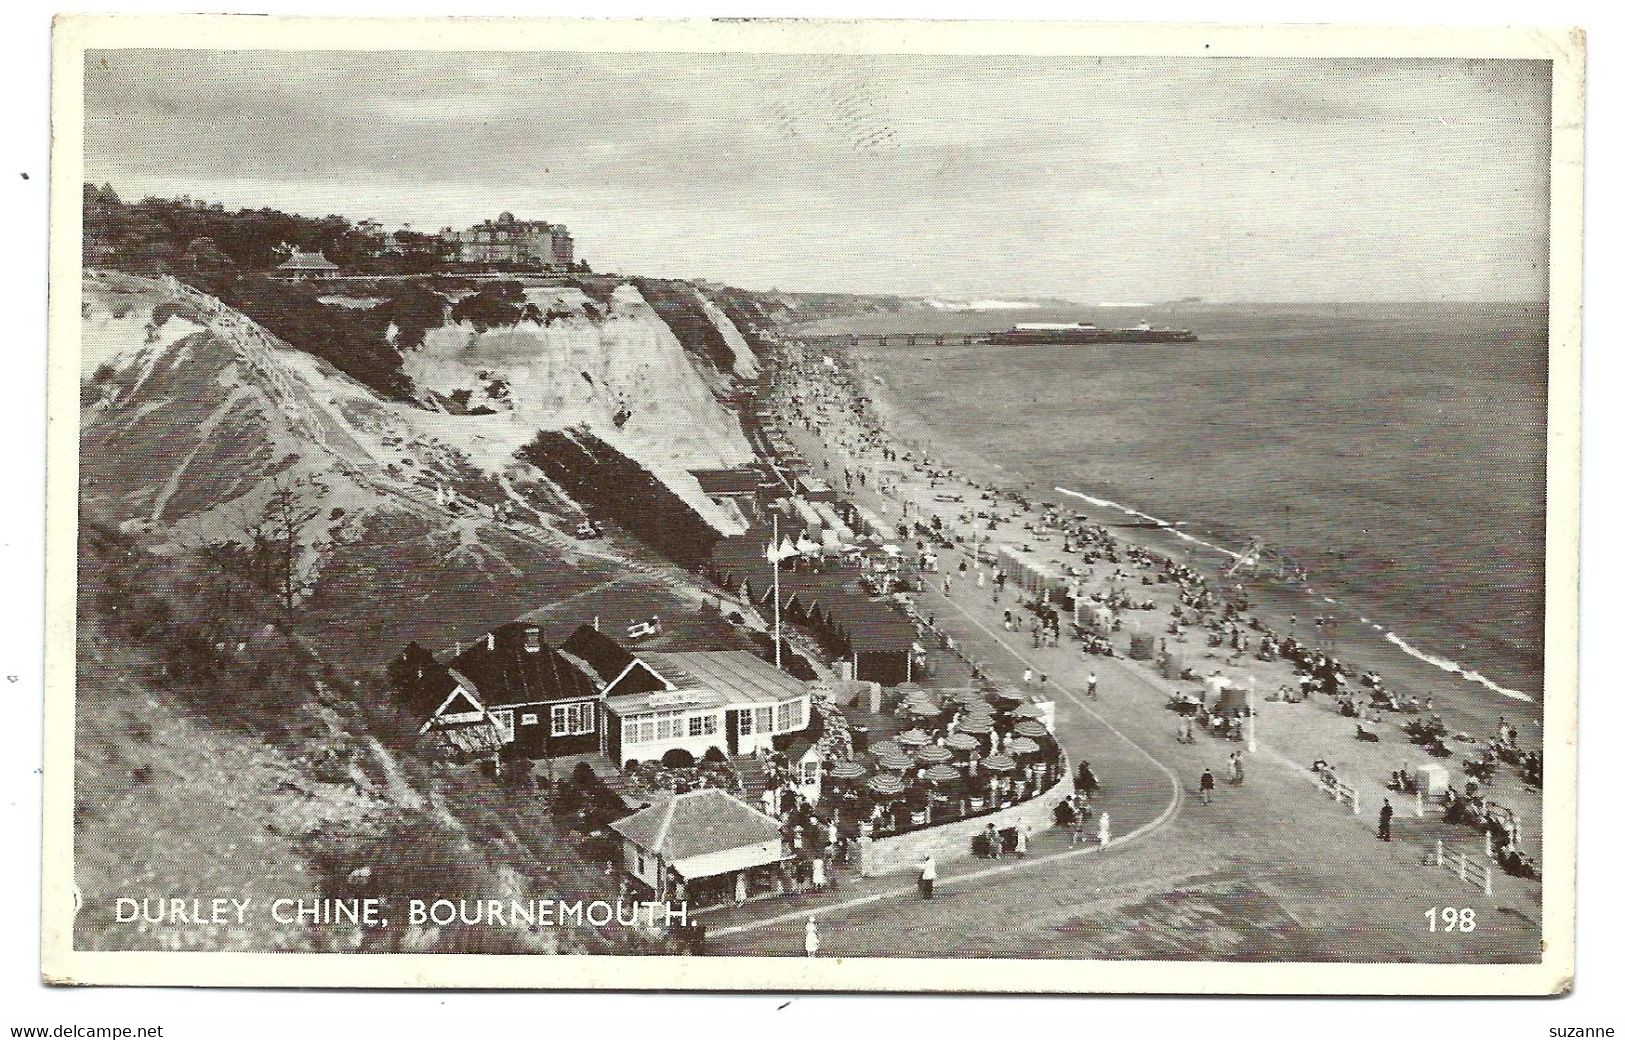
(816, 506)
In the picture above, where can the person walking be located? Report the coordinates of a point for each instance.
(1104, 832)
(1027, 676)
(928, 877)
(1385, 821)
(818, 879)
(1094, 686)
(1021, 841)
(1204, 787)
(741, 888)
(812, 937)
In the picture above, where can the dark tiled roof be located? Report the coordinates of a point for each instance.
(507, 674)
(697, 823)
(607, 657)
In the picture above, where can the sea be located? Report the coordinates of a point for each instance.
(1396, 453)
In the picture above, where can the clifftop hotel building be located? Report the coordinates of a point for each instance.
(509, 240)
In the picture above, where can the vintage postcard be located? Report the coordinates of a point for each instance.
(813, 505)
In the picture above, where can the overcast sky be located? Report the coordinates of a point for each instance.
(1122, 179)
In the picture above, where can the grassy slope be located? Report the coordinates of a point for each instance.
(261, 772)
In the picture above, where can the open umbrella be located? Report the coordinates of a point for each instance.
(896, 761)
(1009, 696)
(999, 764)
(933, 754)
(942, 774)
(914, 738)
(909, 689)
(1029, 728)
(1029, 711)
(976, 724)
(923, 709)
(886, 747)
(1022, 746)
(848, 770)
(963, 741)
(886, 785)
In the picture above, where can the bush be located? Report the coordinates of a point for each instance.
(715, 755)
(677, 758)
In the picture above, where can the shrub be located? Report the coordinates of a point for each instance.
(715, 755)
(677, 758)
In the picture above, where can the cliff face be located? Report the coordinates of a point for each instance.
(423, 520)
(616, 370)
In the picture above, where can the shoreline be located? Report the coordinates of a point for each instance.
(1462, 693)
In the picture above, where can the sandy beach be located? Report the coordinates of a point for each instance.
(879, 454)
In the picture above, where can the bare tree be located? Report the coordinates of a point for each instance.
(284, 522)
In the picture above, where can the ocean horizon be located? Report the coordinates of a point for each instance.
(1396, 452)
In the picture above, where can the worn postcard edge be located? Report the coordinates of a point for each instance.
(75, 34)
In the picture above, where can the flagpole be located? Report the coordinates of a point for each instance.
(778, 661)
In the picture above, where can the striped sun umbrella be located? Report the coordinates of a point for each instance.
(963, 741)
(886, 747)
(1029, 728)
(933, 754)
(896, 761)
(914, 738)
(924, 709)
(1009, 696)
(999, 764)
(886, 785)
(942, 774)
(848, 770)
(1029, 711)
(1022, 746)
(976, 724)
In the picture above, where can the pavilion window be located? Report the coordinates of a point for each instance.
(792, 716)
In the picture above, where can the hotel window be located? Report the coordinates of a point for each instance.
(571, 719)
(527, 719)
(809, 772)
(792, 716)
(764, 720)
(702, 726)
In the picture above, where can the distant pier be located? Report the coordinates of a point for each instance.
(911, 339)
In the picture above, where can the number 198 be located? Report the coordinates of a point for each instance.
(1451, 919)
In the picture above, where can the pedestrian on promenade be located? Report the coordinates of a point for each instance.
(994, 842)
(1105, 831)
(812, 937)
(928, 877)
(1204, 787)
(741, 889)
(1021, 841)
(1094, 686)
(818, 880)
(1236, 774)
(1385, 821)
(1080, 822)
(1027, 676)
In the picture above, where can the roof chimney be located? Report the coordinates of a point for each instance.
(533, 640)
